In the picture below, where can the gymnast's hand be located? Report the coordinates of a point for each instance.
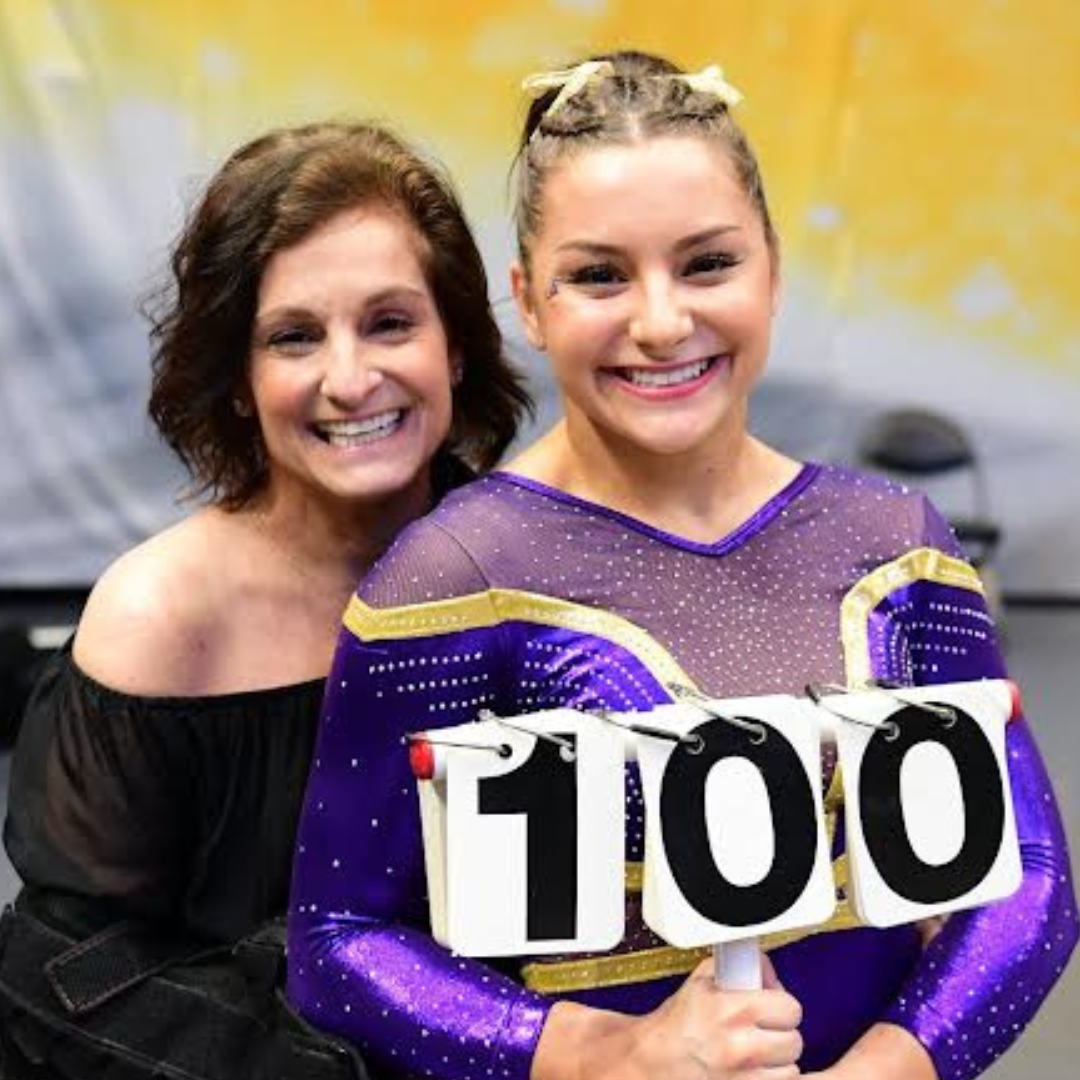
(884, 1052)
(700, 1033)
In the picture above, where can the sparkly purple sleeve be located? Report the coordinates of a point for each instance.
(361, 960)
(984, 976)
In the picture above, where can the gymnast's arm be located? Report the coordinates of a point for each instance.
(984, 976)
(362, 962)
(981, 979)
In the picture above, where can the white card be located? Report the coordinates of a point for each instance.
(534, 840)
(928, 807)
(735, 835)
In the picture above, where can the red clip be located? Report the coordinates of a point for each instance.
(1014, 698)
(422, 759)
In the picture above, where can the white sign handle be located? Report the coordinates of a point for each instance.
(737, 965)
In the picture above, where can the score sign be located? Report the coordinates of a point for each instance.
(735, 834)
(524, 819)
(931, 828)
(523, 836)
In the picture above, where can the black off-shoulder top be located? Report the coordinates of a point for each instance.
(181, 810)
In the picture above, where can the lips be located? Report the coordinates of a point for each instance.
(665, 380)
(349, 433)
(666, 376)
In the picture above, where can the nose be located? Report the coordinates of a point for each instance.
(661, 320)
(348, 376)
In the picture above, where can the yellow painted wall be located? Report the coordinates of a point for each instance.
(921, 152)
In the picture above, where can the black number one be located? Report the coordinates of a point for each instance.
(544, 789)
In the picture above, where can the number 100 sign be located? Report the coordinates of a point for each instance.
(524, 832)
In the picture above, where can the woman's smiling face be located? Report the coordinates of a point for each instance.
(651, 288)
(350, 372)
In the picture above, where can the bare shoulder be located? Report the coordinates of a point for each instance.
(149, 625)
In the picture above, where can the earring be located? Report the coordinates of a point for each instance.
(457, 372)
(242, 407)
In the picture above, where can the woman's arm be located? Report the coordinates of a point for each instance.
(102, 785)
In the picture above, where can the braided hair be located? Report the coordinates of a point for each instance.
(644, 97)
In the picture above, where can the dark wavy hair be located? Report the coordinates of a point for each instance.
(640, 100)
(269, 195)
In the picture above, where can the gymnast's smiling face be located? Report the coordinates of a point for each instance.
(651, 287)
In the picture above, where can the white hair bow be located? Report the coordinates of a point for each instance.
(569, 82)
(710, 80)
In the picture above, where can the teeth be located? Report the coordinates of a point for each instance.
(665, 376)
(357, 432)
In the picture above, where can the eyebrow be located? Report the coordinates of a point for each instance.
(294, 311)
(592, 247)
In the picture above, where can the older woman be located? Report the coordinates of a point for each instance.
(326, 366)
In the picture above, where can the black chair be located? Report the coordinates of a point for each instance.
(917, 446)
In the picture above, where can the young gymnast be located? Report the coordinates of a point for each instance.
(649, 536)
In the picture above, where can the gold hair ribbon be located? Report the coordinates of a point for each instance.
(710, 80)
(569, 82)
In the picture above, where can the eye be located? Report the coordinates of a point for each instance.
(293, 340)
(596, 277)
(391, 324)
(710, 264)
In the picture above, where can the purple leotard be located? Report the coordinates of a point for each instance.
(516, 597)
